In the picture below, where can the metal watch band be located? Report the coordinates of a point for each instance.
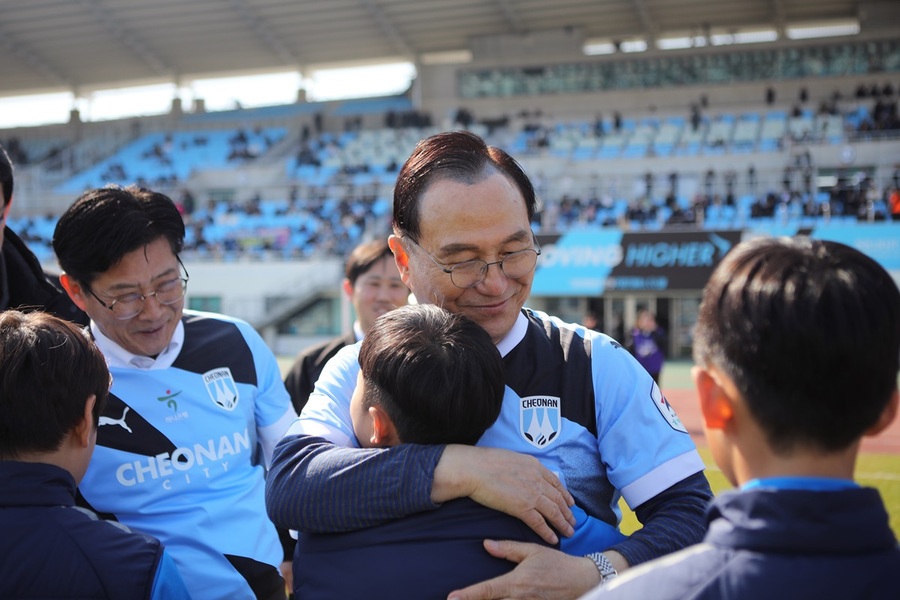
(607, 570)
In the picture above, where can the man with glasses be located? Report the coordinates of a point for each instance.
(23, 283)
(197, 403)
(581, 420)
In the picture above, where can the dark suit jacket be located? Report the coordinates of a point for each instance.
(301, 379)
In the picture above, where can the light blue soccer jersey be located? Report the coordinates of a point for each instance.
(181, 452)
(575, 400)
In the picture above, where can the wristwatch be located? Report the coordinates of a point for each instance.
(607, 570)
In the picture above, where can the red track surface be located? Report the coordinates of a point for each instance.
(685, 404)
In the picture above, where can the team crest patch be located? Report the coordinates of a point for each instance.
(666, 410)
(221, 387)
(539, 420)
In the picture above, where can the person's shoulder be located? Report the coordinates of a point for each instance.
(108, 541)
(546, 323)
(199, 316)
(324, 350)
(678, 575)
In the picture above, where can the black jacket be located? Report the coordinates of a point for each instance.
(26, 287)
(301, 379)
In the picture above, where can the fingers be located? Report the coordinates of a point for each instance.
(556, 513)
(504, 586)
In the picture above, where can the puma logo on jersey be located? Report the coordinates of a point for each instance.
(120, 422)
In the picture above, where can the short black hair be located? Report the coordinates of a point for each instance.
(809, 331)
(364, 256)
(105, 224)
(458, 156)
(48, 369)
(437, 374)
(6, 177)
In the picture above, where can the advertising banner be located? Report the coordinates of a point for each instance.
(589, 263)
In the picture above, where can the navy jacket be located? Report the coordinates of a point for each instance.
(422, 556)
(51, 549)
(773, 544)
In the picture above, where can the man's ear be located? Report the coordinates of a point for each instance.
(384, 433)
(401, 257)
(347, 287)
(715, 403)
(84, 429)
(887, 416)
(74, 290)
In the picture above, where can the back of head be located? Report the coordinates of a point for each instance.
(105, 224)
(458, 156)
(809, 331)
(48, 369)
(437, 374)
(6, 177)
(364, 256)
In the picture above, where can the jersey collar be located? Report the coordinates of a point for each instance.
(515, 335)
(117, 356)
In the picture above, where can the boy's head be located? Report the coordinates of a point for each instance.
(807, 334)
(427, 376)
(53, 383)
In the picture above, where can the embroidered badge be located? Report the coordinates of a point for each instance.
(539, 420)
(221, 387)
(666, 410)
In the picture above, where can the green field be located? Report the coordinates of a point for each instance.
(881, 471)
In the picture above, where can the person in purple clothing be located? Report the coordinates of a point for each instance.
(797, 346)
(647, 341)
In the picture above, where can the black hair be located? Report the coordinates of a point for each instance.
(437, 374)
(458, 156)
(105, 224)
(364, 256)
(48, 369)
(809, 331)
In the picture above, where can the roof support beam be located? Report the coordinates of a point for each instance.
(264, 32)
(389, 30)
(647, 22)
(779, 19)
(129, 39)
(33, 59)
(510, 15)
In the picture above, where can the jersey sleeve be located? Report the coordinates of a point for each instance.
(272, 408)
(327, 412)
(639, 465)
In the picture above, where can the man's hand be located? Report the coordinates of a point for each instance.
(542, 573)
(509, 482)
(287, 572)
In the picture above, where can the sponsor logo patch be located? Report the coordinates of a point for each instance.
(539, 420)
(666, 410)
(221, 387)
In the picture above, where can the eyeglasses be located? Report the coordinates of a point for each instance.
(130, 305)
(472, 272)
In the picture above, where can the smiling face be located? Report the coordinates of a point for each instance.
(140, 271)
(377, 291)
(458, 222)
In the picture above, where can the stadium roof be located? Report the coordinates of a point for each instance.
(83, 45)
